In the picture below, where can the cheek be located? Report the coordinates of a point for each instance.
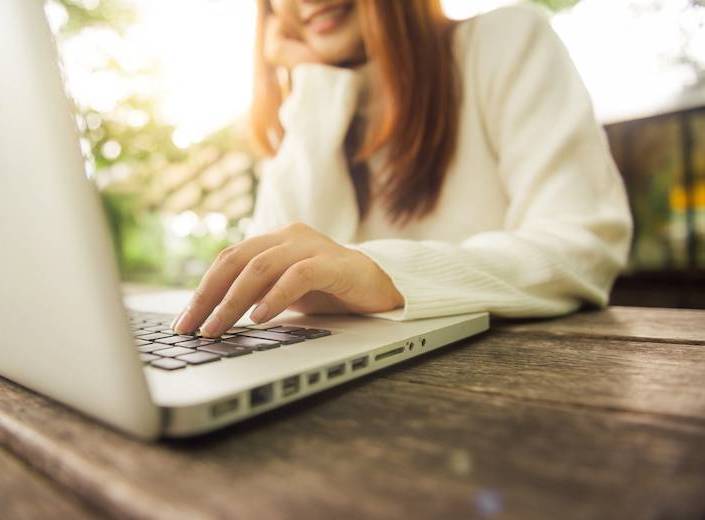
(281, 7)
(343, 46)
(288, 13)
(284, 8)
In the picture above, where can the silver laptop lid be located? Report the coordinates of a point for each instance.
(64, 329)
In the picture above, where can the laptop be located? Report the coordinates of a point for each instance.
(65, 331)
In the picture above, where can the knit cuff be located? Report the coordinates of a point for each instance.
(321, 104)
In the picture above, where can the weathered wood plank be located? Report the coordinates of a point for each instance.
(26, 495)
(636, 376)
(378, 448)
(670, 325)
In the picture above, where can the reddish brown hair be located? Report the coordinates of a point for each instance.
(415, 113)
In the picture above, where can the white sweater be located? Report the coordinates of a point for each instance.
(532, 219)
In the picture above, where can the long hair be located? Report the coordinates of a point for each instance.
(414, 119)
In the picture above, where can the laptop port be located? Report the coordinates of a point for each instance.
(314, 378)
(359, 363)
(336, 371)
(261, 395)
(389, 353)
(224, 407)
(291, 385)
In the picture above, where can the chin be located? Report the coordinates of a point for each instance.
(337, 49)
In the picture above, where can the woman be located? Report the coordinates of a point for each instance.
(419, 168)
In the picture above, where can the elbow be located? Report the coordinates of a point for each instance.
(614, 261)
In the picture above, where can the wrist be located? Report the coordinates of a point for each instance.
(304, 114)
(387, 296)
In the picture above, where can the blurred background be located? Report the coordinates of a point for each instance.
(162, 89)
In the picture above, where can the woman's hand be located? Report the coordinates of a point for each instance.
(295, 267)
(282, 49)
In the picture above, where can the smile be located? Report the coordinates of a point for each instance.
(329, 18)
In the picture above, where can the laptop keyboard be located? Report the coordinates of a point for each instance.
(161, 347)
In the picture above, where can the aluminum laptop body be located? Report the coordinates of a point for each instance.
(66, 332)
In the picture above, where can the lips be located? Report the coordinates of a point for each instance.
(328, 18)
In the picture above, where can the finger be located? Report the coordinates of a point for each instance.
(215, 283)
(273, 39)
(254, 280)
(284, 46)
(316, 273)
(317, 302)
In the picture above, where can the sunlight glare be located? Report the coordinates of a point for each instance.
(205, 53)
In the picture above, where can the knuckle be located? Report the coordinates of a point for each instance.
(228, 255)
(199, 298)
(304, 273)
(280, 296)
(296, 228)
(227, 308)
(260, 264)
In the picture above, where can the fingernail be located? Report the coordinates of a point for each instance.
(181, 322)
(176, 320)
(260, 313)
(212, 326)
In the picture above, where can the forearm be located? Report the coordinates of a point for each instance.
(308, 180)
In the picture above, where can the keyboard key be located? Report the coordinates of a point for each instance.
(158, 328)
(261, 326)
(174, 333)
(139, 333)
(198, 334)
(168, 364)
(198, 358)
(311, 333)
(235, 330)
(286, 329)
(146, 349)
(282, 338)
(244, 341)
(149, 323)
(194, 343)
(146, 358)
(261, 348)
(154, 336)
(140, 342)
(174, 339)
(173, 351)
(224, 350)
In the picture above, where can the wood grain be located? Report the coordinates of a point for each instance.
(633, 376)
(25, 495)
(599, 417)
(379, 448)
(653, 324)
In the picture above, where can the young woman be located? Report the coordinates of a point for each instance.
(419, 168)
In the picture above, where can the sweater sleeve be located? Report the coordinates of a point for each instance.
(567, 229)
(308, 180)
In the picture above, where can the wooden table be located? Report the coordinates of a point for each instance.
(598, 415)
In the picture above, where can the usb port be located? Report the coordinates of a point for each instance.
(224, 407)
(314, 378)
(261, 395)
(359, 363)
(291, 385)
(336, 371)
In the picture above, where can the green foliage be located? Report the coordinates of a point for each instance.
(115, 14)
(131, 149)
(557, 5)
(137, 236)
